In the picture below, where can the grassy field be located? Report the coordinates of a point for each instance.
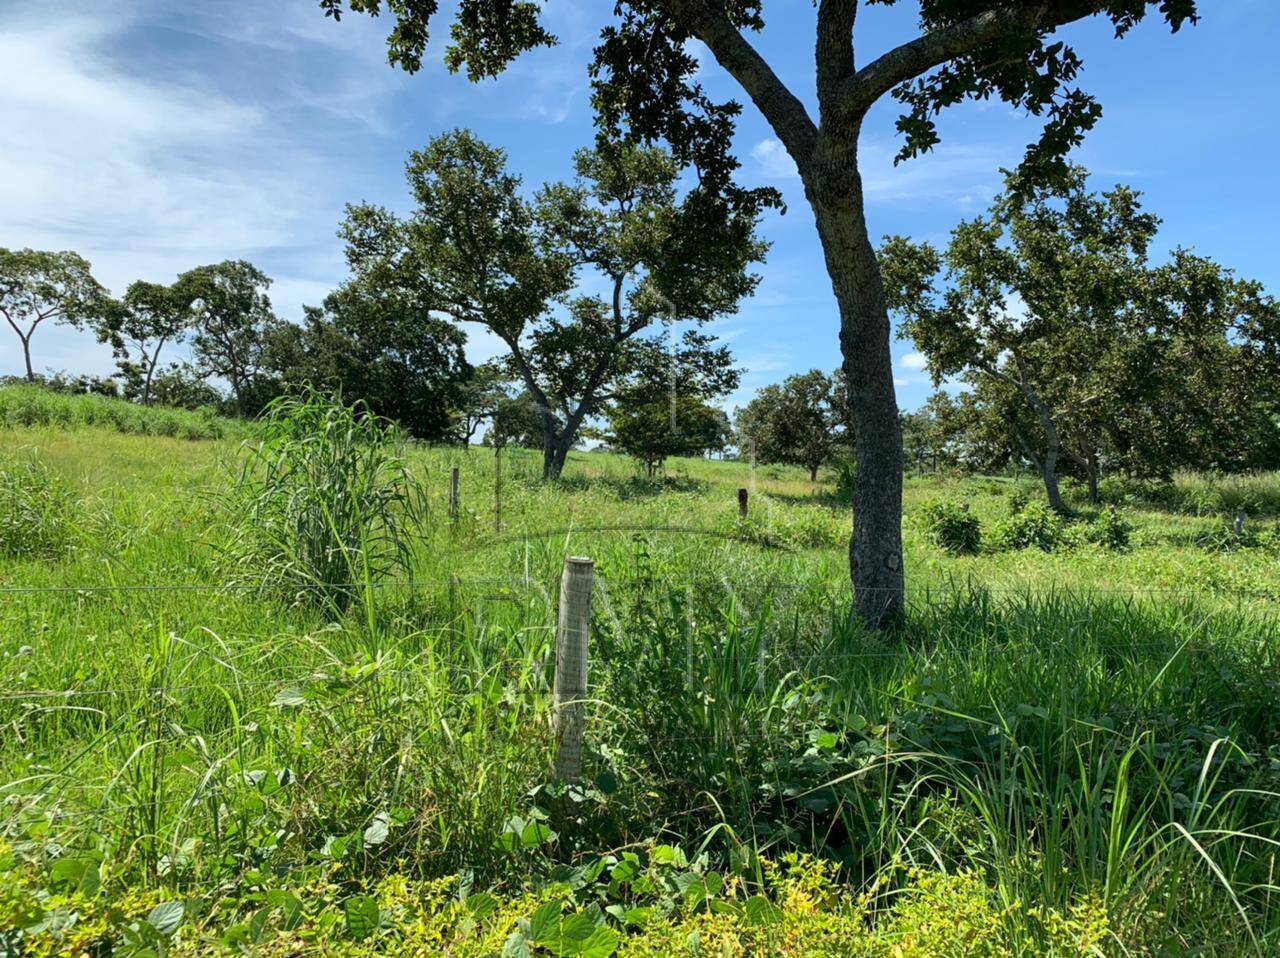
(1070, 751)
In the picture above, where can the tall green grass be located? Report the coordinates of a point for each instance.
(25, 406)
(1053, 723)
(324, 502)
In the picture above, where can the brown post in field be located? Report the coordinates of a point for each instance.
(453, 494)
(572, 633)
(1240, 517)
(742, 503)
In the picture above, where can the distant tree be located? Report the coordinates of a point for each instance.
(651, 430)
(481, 394)
(647, 84)
(232, 323)
(664, 407)
(380, 349)
(147, 318)
(1050, 277)
(37, 286)
(183, 386)
(516, 421)
(801, 422)
(475, 250)
(927, 433)
(1076, 349)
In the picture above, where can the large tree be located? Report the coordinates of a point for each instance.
(147, 318)
(232, 323)
(474, 249)
(1041, 297)
(647, 86)
(38, 286)
(800, 421)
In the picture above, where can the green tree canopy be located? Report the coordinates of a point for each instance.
(800, 422)
(384, 351)
(38, 286)
(147, 318)
(232, 324)
(474, 249)
(1077, 348)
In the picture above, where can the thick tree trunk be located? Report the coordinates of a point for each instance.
(834, 190)
(1093, 486)
(26, 354)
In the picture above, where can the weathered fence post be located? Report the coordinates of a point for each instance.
(742, 503)
(1239, 526)
(453, 494)
(572, 632)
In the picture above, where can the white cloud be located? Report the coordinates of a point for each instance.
(774, 160)
(914, 361)
(150, 169)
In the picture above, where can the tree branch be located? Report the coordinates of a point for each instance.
(922, 54)
(783, 111)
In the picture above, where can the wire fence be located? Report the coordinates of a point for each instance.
(55, 795)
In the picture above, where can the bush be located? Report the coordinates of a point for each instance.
(36, 510)
(1034, 525)
(953, 528)
(1111, 530)
(325, 500)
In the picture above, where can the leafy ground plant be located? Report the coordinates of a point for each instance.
(953, 528)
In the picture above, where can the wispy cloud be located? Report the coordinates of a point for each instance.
(963, 176)
(916, 362)
(148, 169)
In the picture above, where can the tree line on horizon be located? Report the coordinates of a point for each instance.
(1067, 350)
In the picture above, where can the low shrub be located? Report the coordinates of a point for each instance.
(952, 527)
(1111, 531)
(1034, 525)
(650, 903)
(36, 509)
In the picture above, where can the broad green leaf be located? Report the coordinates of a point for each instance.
(362, 916)
(166, 917)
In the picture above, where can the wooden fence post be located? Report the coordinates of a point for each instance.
(453, 494)
(1239, 525)
(742, 503)
(572, 634)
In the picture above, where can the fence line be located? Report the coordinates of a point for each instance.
(448, 580)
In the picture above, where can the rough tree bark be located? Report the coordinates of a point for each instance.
(833, 187)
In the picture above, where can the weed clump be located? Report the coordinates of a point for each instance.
(1111, 531)
(36, 510)
(325, 502)
(1034, 525)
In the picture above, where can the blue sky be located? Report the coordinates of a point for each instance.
(153, 136)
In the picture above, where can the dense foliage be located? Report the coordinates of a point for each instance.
(1078, 349)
